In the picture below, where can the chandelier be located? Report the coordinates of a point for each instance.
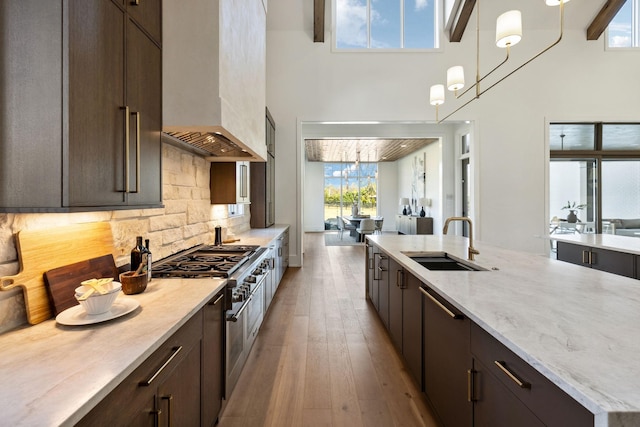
(508, 34)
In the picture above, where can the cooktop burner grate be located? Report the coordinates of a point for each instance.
(204, 261)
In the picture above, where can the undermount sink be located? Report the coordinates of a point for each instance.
(442, 261)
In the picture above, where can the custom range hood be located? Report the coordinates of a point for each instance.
(214, 78)
(214, 146)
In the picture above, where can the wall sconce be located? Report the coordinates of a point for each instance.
(508, 34)
(404, 202)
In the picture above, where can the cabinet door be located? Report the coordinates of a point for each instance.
(413, 226)
(395, 303)
(147, 14)
(178, 396)
(613, 262)
(447, 358)
(373, 261)
(412, 326)
(213, 360)
(144, 99)
(96, 101)
(575, 254)
(383, 289)
(495, 405)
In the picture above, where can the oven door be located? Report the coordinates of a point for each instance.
(241, 333)
(254, 313)
(236, 354)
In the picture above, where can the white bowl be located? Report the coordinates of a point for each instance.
(98, 303)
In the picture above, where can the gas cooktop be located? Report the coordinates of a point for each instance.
(204, 261)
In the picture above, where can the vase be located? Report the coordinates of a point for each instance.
(354, 210)
(572, 217)
(422, 212)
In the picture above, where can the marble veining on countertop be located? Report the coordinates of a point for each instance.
(577, 326)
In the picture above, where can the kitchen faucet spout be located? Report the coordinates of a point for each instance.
(472, 251)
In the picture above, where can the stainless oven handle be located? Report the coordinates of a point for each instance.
(236, 316)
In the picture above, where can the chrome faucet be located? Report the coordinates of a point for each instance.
(472, 251)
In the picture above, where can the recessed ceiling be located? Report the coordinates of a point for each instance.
(363, 150)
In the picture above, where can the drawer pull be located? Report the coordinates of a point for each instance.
(218, 299)
(470, 387)
(442, 306)
(176, 350)
(169, 398)
(514, 378)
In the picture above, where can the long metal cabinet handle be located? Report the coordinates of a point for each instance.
(169, 398)
(217, 300)
(176, 350)
(243, 181)
(514, 378)
(585, 257)
(470, 386)
(137, 114)
(127, 144)
(442, 306)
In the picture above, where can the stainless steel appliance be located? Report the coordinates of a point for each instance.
(245, 268)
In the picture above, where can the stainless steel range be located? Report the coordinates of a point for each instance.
(246, 269)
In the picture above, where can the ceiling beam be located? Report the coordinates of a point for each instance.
(460, 24)
(318, 21)
(603, 18)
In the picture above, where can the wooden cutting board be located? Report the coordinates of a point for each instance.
(43, 250)
(61, 282)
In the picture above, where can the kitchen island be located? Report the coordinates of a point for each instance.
(55, 375)
(577, 327)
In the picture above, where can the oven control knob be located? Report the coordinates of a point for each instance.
(237, 297)
(251, 279)
(258, 272)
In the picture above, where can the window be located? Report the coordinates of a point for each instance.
(349, 183)
(596, 166)
(622, 32)
(385, 24)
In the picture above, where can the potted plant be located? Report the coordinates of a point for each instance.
(572, 217)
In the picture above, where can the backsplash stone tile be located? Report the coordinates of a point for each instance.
(188, 219)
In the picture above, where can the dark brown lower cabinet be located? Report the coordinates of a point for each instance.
(615, 262)
(503, 383)
(447, 360)
(212, 360)
(495, 405)
(405, 317)
(164, 390)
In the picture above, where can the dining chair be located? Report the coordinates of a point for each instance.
(342, 226)
(367, 226)
(378, 225)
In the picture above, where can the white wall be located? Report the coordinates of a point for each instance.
(576, 80)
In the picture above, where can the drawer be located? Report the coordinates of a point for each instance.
(550, 404)
(124, 403)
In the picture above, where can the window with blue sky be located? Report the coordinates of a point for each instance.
(385, 24)
(623, 29)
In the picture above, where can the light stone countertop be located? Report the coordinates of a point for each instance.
(53, 375)
(627, 244)
(577, 326)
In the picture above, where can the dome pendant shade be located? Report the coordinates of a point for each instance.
(509, 28)
(436, 95)
(455, 78)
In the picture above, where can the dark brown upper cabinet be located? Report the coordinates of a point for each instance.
(82, 109)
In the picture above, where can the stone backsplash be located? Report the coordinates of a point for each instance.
(186, 220)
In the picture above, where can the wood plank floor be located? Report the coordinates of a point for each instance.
(322, 356)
